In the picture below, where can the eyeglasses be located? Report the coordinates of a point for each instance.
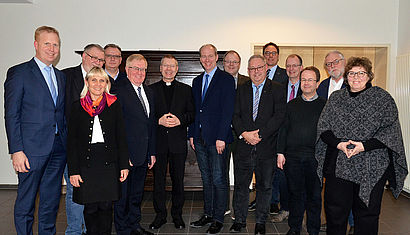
(292, 65)
(308, 80)
(335, 62)
(231, 62)
(359, 74)
(268, 53)
(135, 68)
(169, 66)
(95, 59)
(113, 56)
(257, 68)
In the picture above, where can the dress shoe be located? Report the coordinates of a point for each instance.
(204, 220)
(260, 229)
(179, 222)
(215, 228)
(140, 231)
(274, 209)
(252, 206)
(292, 232)
(237, 227)
(157, 223)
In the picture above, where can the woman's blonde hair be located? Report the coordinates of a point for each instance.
(96, 72)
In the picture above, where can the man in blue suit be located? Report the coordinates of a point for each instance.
(214, 98)
(35, 126)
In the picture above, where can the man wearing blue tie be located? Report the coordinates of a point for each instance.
(214, 97)
(35, 126)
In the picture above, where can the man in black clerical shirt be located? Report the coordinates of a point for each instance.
(174, 112)
(296, 154)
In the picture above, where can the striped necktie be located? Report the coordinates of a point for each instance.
(292, 93)
(256, 103)
(267, 74)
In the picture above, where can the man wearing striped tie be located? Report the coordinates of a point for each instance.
(258, 127)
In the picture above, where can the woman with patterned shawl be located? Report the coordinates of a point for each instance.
(359, 148)
(97, 153)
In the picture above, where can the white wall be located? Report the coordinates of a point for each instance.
(403, 46)
(186, 24)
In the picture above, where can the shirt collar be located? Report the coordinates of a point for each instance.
(311, 99)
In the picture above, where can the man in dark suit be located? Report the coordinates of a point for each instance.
(36, 132)
(137, 101)
(259, 112)
(232, 64)
(279, 185)
(113, 59)
(174, 111)
(275, 73)
(214, 97)
(93, 56)
(335, 65)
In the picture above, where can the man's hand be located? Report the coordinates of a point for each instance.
(251, 137)
(75, 180)
(20, 162)
(169, 120)
(281, 160)
(153, 160)
(123, 175)
(191, 142)
(220, 146)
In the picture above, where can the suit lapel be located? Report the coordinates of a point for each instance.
(39, 76)
(79, 79)
(60, 86)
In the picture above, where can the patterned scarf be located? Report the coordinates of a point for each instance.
(94, 108)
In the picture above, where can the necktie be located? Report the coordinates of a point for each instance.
(205, 87)
(292, 93)
(142, 101)
(267, 74)
(256, 103)
(50, 84)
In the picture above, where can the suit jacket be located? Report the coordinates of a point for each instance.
(214, 114)
(323, 89)
(242, 79)
(271, 114)
(121, 76)
(182, 105)
(102, 168)
(30, 113)
(281, 76)
(139, 128)
(75, 84)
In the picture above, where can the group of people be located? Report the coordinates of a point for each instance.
(103, 129)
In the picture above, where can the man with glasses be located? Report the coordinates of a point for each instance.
(232, 63)
(93, 56)
(174, 111)
(335, 67)
(280, 186)
(257, 126)
(137, 101)
(113, 60)
(296, 154)
(214, 98)
(275, 73)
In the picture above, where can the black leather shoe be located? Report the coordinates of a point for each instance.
(237, 227)
(204, 220)
(260, 229)
(215, 228)
(290, 232)
(179, 222)
(157, 223)
(252, 206)
(140, 231)
(274, 209)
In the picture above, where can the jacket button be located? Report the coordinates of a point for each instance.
(88, 158)
(106, 146)
(103, 133)
(92, 121)
(89, 150)
(91, 128)
(89, 135)
(200, 110)
(106, 163)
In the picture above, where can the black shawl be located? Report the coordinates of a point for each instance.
(372, 114)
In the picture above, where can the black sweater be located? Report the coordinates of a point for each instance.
(298, 133)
